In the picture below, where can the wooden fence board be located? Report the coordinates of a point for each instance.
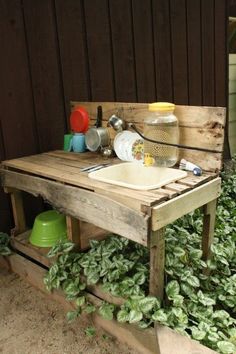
(143, 46)
(193, 8)
(99, 50)
(123, 50)
(73, 51)
(46, 77)
(179, 50)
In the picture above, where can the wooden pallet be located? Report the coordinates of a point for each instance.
(161, 340)
(140, 216)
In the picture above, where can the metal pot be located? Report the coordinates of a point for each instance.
(95, 138)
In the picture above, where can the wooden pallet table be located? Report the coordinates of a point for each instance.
(140, 216)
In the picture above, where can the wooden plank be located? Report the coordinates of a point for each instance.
(157, 263)
(172, 343)
(21, 243)
(193, 8)
(208, 53)
(73, 53)
(15, 88)
(90, 232)
(45, 71)
(179, 51)
(179, 188)
(201, 127)
(190, 116)
(144, 56)
(123, 50)
(209, 212)
(18, 212)
(47, 166)
(87, 206)
(194, 181)
(99, 48)
(162, 44)
(221, 45)
(73, 230)
(169, 211)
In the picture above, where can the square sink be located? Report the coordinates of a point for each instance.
(137, 176)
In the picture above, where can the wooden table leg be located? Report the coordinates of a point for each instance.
(209, 212)
(18, 210)
(73, 230)
(157, 263)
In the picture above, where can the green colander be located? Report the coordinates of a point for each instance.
(49, 227)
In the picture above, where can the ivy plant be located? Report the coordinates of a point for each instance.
(196, 305)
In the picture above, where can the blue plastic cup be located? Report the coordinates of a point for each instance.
(78, 142)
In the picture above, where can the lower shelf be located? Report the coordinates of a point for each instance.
(144, 341)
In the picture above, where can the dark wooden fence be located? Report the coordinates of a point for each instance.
(53, 51)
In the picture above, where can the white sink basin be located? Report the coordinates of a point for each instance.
(137, 176)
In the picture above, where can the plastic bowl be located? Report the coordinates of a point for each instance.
(49, 227)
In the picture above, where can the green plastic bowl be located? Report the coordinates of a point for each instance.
(49, 227)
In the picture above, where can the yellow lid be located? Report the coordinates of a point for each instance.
(161, 106)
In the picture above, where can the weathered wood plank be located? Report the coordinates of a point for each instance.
(171, 210)
(157, 263)
(209, 212)
(201, 127)
(73, 230)
(47, 166)
(18, 210)
(85, 205)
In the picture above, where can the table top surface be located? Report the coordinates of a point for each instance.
(66, 167)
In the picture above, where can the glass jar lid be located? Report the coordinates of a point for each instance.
(161, 106)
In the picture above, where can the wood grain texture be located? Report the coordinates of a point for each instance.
(84, 205)
(179, 50)
(208, 54)
(123, 50)
(169, 211)
(162, 50)
(209, 215)
(100, 60)
(143, 47)
(193, 13)
(73, 230)
(201, 127)
(73, 53)
(45, 72)
(17, 109)
(157, 263)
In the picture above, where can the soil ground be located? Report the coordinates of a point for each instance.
(30, 323)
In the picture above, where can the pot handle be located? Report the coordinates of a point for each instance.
(99, 117)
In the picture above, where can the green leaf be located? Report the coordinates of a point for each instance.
(135, 316)
(80, 301)
(139, 278)
(193, 281)
(172, 289)
(148, 303)
(160, 316)
(226, 347)
(122, 316)
(90, 308)
(197, 333)
(179, 252)
(90, 331)
(106, 311)
(71, 316)
(178, 300)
